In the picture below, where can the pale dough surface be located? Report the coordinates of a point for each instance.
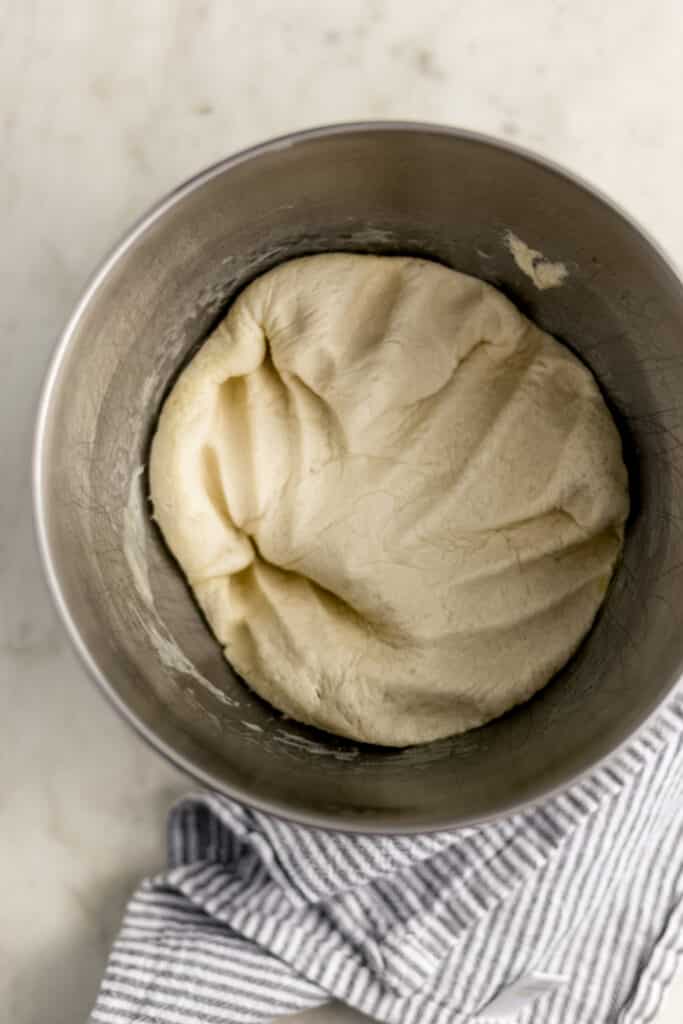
(397, 501)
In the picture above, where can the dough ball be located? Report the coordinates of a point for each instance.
(397, 501)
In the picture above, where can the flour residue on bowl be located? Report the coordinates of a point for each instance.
(252, 726)
(134, 541)
(543, 272)
(135, 553)
(303, 745)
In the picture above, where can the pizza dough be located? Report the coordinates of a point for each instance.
(398, 502)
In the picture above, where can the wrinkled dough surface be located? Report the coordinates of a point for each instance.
(397, 501)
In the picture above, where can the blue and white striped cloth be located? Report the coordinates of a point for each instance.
(256, 918)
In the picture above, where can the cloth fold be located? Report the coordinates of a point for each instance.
(257, 918)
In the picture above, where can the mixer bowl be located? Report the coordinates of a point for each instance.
(384, 188)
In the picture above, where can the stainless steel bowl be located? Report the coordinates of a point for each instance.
(388, 188)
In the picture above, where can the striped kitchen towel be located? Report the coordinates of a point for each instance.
(567, 913)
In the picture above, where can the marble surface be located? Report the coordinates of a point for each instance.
(102, 108)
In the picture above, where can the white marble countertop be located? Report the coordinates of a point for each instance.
(102, 108)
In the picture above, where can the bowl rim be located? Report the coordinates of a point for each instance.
(127, 240)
